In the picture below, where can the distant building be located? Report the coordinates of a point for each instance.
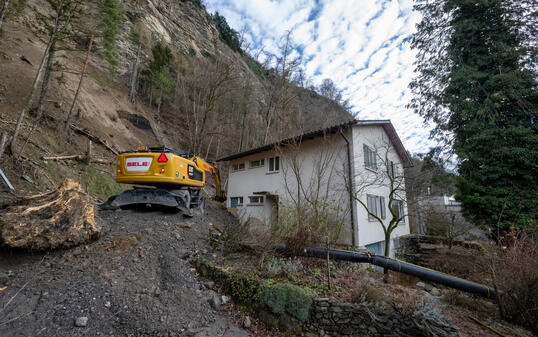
(263, 178)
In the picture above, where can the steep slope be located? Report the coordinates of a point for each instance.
(104, 110)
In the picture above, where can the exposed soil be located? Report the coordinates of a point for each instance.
(134, 281)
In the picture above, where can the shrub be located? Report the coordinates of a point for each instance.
(290, 299)
(514, 270)
(243, 287)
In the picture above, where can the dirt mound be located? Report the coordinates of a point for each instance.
(59, 219)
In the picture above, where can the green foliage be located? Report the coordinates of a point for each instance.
(207, 54)
(254, 66)
(197, 3)
(103, 82)
(111, 21)
(163, 83)
(191, 52)
(227, 34)
(159, 74)
(162, 56)
(245, 288)
(477, 84)
(316, 272)
(288, 298)
(100, 184)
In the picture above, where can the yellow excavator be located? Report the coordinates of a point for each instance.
(174, 179)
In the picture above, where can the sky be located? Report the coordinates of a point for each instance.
(358, 44)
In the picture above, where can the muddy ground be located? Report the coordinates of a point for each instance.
(135, 280)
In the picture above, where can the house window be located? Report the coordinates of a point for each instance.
(255, 200)
(370, 158)
(398, 208)
(376, 206)
(236, 201)
(238, 167)
(274, 164)
(256, 163)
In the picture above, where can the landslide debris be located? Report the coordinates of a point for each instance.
(62, 218)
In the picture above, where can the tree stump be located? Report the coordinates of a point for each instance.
(59, 219)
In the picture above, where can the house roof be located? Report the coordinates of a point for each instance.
(386, 124)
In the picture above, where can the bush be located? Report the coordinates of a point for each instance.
(290, 299)
(244, 288)
(514, 270)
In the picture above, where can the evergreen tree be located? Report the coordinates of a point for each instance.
(112, 19)
(477, 84)
(227, 34)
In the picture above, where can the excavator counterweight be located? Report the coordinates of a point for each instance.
(170, 179)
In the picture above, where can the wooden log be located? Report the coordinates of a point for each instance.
(94, 138)
(79, 157)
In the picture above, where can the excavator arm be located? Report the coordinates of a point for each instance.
(211, 168)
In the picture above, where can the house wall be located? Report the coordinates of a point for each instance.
(370, 231)
(309, 155)
(325, 155)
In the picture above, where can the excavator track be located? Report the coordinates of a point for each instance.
(173, 179)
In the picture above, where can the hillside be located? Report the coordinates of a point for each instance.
(194, 116)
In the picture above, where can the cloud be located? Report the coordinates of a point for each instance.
(357, 44)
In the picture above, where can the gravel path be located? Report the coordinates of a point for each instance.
(134, 281)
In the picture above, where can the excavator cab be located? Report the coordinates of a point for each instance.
(163, 177)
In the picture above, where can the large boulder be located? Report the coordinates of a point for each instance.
(59, 219)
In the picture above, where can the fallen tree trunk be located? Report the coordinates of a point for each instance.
(94, 138)
(79, 157)
(59, 219)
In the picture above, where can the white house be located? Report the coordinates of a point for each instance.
(317, 164)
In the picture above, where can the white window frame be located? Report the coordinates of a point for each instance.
(255, 203)
(239, 202)
(376, 205)
(256, 163)
(238, 167)
(276, 160)
(370, 158)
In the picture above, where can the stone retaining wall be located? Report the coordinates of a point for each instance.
(334, 318)
(327, 317)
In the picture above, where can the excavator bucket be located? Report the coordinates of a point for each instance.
(151, 196)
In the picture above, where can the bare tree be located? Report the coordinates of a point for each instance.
(449, 224)
(82, 75)
(381, 173)
(199, 94)
(60, 12)
(316, 203)
(3, 12)
(281, 94)
(133, 83)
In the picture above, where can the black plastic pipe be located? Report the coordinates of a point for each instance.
(400, 266)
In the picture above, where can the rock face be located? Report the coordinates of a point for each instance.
(59, 219)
